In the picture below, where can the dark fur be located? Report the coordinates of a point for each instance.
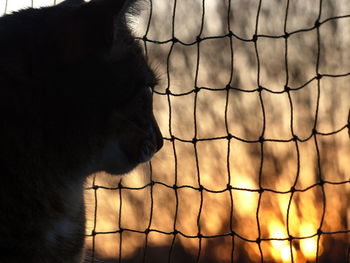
(73, 80)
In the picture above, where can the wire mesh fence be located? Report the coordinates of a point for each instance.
(254, 105)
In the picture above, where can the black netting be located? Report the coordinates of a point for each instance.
(261, 140)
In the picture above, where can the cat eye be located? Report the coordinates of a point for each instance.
(149, 89)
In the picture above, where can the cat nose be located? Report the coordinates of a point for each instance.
(157, 138)
(160, 141)
(156, 134)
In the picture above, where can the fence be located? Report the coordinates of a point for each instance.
(254, 105)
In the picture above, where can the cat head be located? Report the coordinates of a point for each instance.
(80, 83)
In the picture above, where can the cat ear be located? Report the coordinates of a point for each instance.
(71, 3)
(113, 6)
(90, 28)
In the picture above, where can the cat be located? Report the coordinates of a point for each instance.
(75, 99)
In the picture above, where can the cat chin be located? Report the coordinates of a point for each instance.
(147, 150)
(117, 161)
(120, 171)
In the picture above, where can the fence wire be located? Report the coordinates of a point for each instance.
(259, 89)
(314, 136)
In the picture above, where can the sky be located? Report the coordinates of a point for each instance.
(14, 5)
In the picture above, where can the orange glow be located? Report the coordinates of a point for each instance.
(246, 200)
(308, 246)
(279, 249)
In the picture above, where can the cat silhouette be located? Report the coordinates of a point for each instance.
(75, 99)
